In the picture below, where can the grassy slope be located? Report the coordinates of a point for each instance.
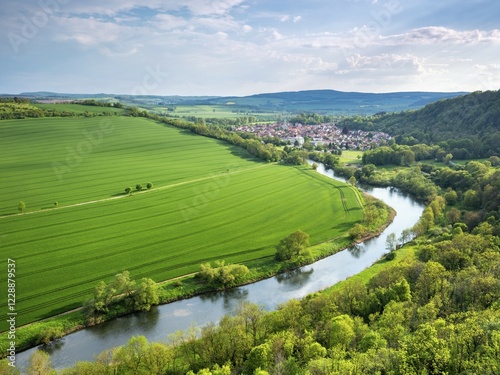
(41, 164)
(207, 204)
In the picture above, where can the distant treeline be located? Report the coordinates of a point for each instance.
(19, 109)
(312, 119)
(98, 103)
(466, 126)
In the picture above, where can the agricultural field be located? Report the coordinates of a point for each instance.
(209, 201)
(216, 111)
(351, 157)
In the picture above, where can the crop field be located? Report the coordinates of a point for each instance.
(351, 157)
(207, 203)
(219, 111)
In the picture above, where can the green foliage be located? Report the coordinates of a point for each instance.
(292, 245)
(128, 190)
(138, 187)
(21, 206)
(357, 231)
(146, 295)
(40, 364)
(149, 185)
(124, 292)
(50, 333)
(390, 256)
(222, 275)
(451, 197)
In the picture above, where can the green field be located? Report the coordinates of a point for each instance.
(351, 157)
(208, 203)
(217, 111)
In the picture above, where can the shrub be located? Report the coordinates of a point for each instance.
(390, 256)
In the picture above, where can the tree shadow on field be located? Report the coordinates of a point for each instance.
(122, 194)
(344, 227)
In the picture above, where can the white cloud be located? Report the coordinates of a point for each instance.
(287, 18)
(166, 21)
(432, 35)
(384, 64)
(209, 7)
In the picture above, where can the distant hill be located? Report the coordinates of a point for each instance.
(328, 102)
(334, 102)
(468, 126)
(147, 101)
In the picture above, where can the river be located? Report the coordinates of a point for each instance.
(163, 320)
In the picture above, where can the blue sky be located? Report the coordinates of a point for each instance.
(243, 47)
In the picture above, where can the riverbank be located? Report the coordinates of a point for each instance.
(179, 289)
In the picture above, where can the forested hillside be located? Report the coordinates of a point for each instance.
(467, 126)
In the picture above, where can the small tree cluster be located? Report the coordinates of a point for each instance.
(222, 275)
(292, 245)
(138, 187)
(141, 296)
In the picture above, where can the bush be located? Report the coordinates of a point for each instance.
(149, 186)
(390, 256)
(292, 245)
(48, 334)
(138, 187)
(222, 275)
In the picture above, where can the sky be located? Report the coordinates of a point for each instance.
(244, 47)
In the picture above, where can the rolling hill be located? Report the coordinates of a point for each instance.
(318, 101)
(468, 126)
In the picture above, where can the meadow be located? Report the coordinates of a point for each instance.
(218, 111)
(209, 201)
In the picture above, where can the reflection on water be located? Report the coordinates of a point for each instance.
(164, 320)
(228, 297)
(53, 347)
(357, 250)
(298, 277)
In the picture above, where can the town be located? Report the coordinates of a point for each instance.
(318, 135)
